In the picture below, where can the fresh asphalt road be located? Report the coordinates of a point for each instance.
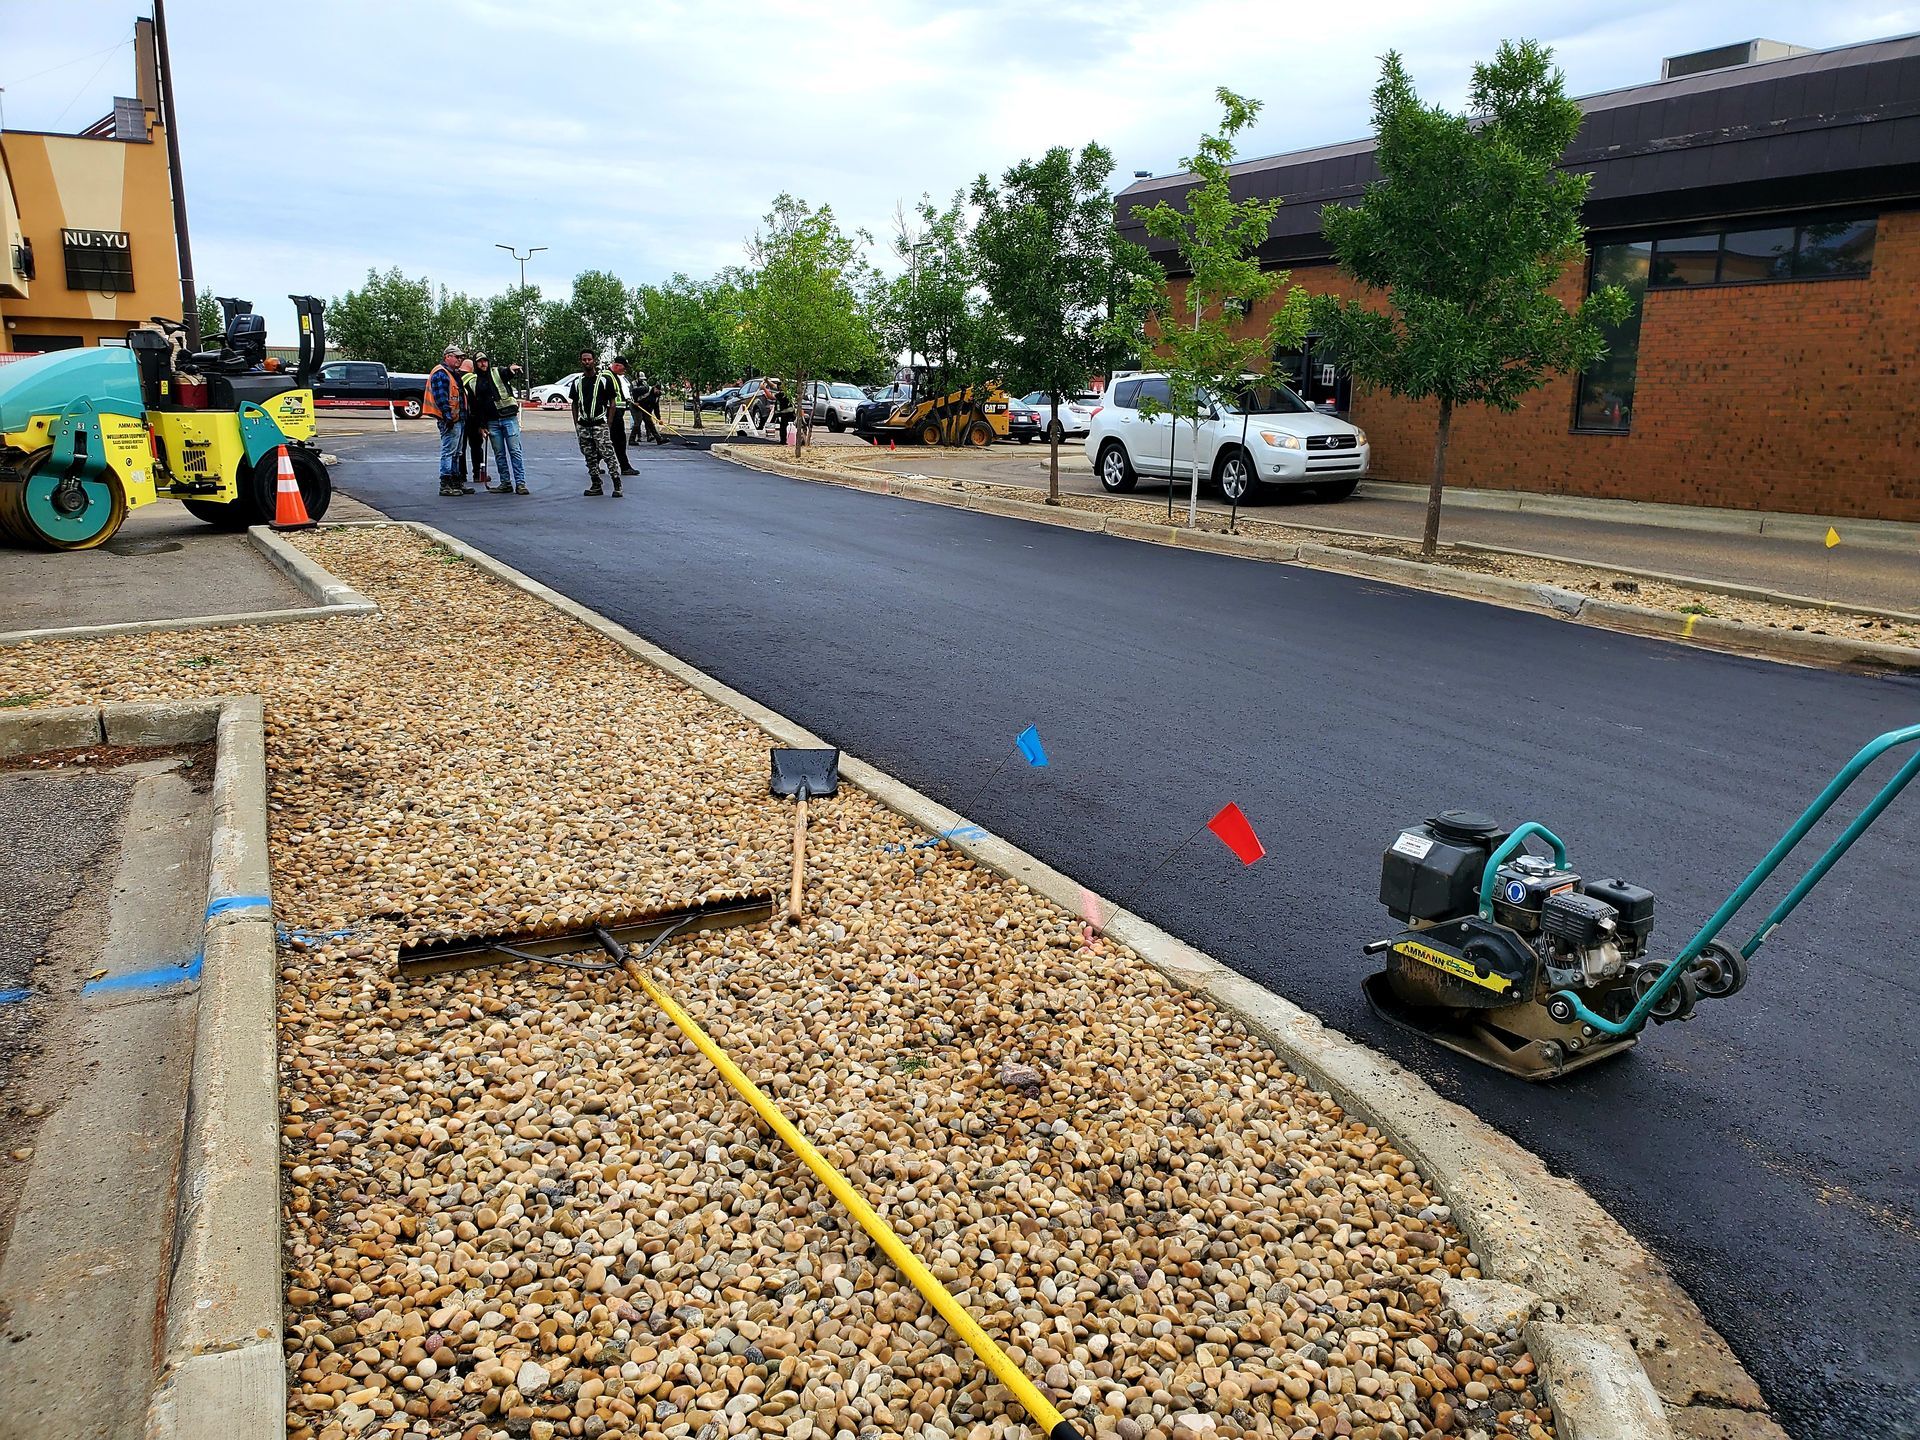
(1766, 1150)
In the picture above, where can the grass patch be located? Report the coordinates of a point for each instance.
(1696, 610)
(16, 702)
(201, 662)
(441, 553)
(911, 1064)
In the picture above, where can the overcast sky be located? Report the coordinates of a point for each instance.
(323, 138)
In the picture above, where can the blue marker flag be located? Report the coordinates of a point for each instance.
(1029, 742)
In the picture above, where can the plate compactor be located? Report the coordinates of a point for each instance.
(86, 435)
(1517, 960)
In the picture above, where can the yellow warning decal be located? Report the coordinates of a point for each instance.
(1452, 964)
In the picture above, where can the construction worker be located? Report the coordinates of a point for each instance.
(646, 410)
(592, 397)
(622, 404)
(441, 399)
(476, 432)
(496, 410)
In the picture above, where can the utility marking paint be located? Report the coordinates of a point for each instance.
(15, 995)
(237, 902)
(1686, 630)
(160, 977)
(958, 832)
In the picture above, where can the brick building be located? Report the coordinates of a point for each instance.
(1765, 217)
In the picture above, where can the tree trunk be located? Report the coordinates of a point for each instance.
(1193, 483)
(1430, 541)
(696, 409)
(1053, 455)
(799, 427)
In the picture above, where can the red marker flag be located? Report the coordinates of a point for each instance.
(1236, 834)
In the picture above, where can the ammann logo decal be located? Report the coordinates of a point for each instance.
(1453, 964)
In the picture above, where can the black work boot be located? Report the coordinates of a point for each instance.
(593, 489)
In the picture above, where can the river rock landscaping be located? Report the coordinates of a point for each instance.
(518, 1203)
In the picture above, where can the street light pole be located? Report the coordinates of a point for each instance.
(526, 355)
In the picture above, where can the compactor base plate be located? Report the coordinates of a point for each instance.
(1520, 1040)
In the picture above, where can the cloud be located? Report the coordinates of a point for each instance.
(320, 140)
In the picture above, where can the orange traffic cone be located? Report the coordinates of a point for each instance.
(289, 508)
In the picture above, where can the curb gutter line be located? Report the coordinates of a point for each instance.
(1608, 1317)
(220, 1365)
(1764, 642)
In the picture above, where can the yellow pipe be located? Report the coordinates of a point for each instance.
(982, 1344)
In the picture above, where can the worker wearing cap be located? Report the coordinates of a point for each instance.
(646, 409)
(494, 407)
(592, 397)
(441, 399)
(622, 403)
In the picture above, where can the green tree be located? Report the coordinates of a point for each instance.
(684, 333)
(456, 321)
(1203, 340)
(604, 307)
(801, 315)
(506, 318)
(937, 310)
(559, 335)
(207, 309)
(1054, 264)
(392, 319)
(1466, 233)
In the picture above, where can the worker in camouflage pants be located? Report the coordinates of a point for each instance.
(592, 396)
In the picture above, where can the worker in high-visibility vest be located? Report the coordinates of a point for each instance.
(592, 397)
(441, 399)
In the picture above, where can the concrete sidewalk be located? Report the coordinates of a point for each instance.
(1878, 575)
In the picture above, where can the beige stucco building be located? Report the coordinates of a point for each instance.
(87, 222)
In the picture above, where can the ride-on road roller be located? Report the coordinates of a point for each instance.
(87, 435)
(1516, 960)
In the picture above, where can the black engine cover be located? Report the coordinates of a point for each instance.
(1432, 871)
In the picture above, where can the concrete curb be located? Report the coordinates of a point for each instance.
(223, 1371)
(332, 599)
(1761, 641)
(1644, 1334)
(1887, 534)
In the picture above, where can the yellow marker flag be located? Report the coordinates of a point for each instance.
(1833, 537)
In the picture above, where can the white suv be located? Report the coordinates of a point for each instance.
(1265, 437)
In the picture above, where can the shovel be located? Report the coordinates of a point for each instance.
(803, 774)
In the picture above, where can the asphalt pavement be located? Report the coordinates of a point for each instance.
(1765, 1150)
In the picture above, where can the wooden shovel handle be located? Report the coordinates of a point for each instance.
(799, 855)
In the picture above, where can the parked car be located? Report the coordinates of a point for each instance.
(561, 390)
(355, 384)
(747, 394)
(1076, 411)
(1024, 423)
(1265, 438)
(719, 398)
(883, 404)
(833, 403)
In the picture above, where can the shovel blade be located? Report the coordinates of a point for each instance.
(815, 771)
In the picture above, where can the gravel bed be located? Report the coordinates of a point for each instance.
(519, 1204)
(1586, 579)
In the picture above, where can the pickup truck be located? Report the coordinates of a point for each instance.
(357, 384)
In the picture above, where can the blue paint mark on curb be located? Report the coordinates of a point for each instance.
(958, 832)
(15, 995)
(237, 902)
(160, 977)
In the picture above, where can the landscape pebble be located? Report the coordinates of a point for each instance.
(519, 1203)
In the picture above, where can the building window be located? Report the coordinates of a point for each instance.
(1817, 250)
(1604, 400)
(1757, 254)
